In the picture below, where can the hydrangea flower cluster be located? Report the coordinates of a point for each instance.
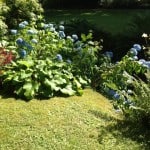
(13, 31)
(121, 96)
(59, 57)
(133, 53)
(41, 41)
(135, 50)
(144, 63)
(23, 24)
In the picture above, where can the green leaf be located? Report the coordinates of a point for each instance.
(59, 80)
(77, 84)
(82, 81)
(26, 63)
(68, 90)
(23, 74)
(51, 84)
(29, 90)
(19, 91)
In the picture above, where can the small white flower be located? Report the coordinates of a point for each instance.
(144, 35)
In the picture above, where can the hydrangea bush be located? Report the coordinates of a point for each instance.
(127, 83)
(47, 61)
(14, 11)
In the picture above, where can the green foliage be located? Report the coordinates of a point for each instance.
(47, 62)
(142, 96)
(3, 29)
(41, 78)
(127, 83)
(15, 11)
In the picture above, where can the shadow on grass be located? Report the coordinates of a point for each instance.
(122, 129)
(11, 95)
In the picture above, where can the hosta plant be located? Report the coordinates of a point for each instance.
(41, 78)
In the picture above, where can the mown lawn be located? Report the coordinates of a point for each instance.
(111, 20)
(88, 122)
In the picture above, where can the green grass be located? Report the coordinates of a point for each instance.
(113, 21)
(75, 123)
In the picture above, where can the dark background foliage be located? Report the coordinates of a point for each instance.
(62, 4)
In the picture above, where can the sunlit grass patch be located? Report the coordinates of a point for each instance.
(86, 122)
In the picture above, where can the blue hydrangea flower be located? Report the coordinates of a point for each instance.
(142, 61)
(21, 25)
(111, 92)
(31, 31)
(19, 41)
(13, 31)
(116, 96)
(59, 57)
(61, 28)
(34, 41)
(50, 25)
(74, 37)
(70, 38)
(46, 26)
(137, 47)
(62, 34)
(23, 53)
(29, 47)
(148, 64)
(52, 29)
(133, 52)
(109, 54)
(135, 58)
(127, 102)
(25, 23)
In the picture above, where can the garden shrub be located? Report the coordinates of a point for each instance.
(3, 29)
(3, 26)
(128, 84)
(41, 78)
(81, 26)
(47, 61)
(19, 10)
(141, 112)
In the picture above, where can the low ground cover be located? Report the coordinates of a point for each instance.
(86, 122)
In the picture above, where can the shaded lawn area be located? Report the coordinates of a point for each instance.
(88, 122)
(113, 21)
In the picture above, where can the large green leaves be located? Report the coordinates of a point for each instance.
(42, 78)
(68, 90)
